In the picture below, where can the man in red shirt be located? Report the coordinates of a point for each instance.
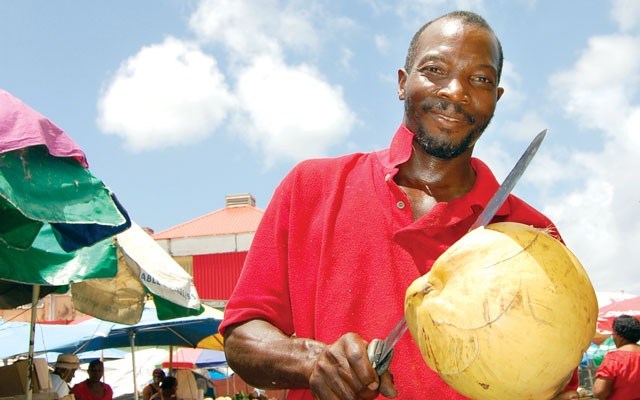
(343, 238)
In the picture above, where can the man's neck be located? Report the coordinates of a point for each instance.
(441, 179)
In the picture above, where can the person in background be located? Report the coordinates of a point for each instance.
(152, 390)
(93, 388)
(343, 236)
(168, 388)
(64, 370)
(618, 377)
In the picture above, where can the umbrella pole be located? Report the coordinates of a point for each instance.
(132, 340)
(171, 360)
(32, 334)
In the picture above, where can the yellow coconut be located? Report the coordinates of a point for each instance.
(505, 313)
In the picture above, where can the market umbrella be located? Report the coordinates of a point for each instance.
(608, 313)
(143, 268)
(213, 342)
(129, 267)
(45, 186)
(149, 331)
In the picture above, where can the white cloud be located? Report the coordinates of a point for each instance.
(288, 112)
(167, 94)
(597, 89)
(173, 93)
(251, 28)
(599, 215)
(626, 13)
(291, 111)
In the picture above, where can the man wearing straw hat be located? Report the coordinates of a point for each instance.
(65, 369)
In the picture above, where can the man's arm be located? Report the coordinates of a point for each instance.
(267, 358)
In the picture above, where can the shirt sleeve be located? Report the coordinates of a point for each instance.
(607, 369)
(262, 291)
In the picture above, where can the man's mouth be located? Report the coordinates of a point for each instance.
(448, 113)
(457, 118)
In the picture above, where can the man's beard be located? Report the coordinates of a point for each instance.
(438, 145)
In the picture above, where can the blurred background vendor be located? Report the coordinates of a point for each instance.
(618, 377)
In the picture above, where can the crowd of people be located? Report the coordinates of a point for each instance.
(162, 387)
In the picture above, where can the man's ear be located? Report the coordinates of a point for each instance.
(500, 93)
(402, 81)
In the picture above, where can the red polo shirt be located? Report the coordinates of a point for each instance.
(337, 248)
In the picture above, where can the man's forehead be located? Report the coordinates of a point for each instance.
(452, 27)
(449, 27)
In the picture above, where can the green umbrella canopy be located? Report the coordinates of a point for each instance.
(46, 263)
(37, 188)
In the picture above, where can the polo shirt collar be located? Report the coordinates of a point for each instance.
(400, 149)
(477, 198)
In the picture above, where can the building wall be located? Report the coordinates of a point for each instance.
(54, 307)
(215, 275)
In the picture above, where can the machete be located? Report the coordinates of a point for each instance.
(380, 351)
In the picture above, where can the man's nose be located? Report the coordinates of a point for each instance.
(455, 91)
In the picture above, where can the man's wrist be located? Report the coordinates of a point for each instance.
(313, 350)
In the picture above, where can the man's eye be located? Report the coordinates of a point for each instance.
(431, 70)
(483, 80)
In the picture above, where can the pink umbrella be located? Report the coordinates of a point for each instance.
(22, 126)
(608, 313)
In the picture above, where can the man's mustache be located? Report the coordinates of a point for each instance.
(449, 108)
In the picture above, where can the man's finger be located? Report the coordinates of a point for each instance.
(387, 387)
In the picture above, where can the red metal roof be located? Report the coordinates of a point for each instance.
(226, 221)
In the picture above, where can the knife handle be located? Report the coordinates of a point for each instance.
(375, 350)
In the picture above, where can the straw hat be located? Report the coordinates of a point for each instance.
(68, 361)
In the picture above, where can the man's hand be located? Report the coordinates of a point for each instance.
(568, 395)
(343, 372)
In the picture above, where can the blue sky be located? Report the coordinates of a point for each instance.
(177, 103)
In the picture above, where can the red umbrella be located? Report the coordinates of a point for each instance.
(608, 313)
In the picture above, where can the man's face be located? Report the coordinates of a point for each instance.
(451, 90)
(68, 375)
(157, 378)
(95, 372)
